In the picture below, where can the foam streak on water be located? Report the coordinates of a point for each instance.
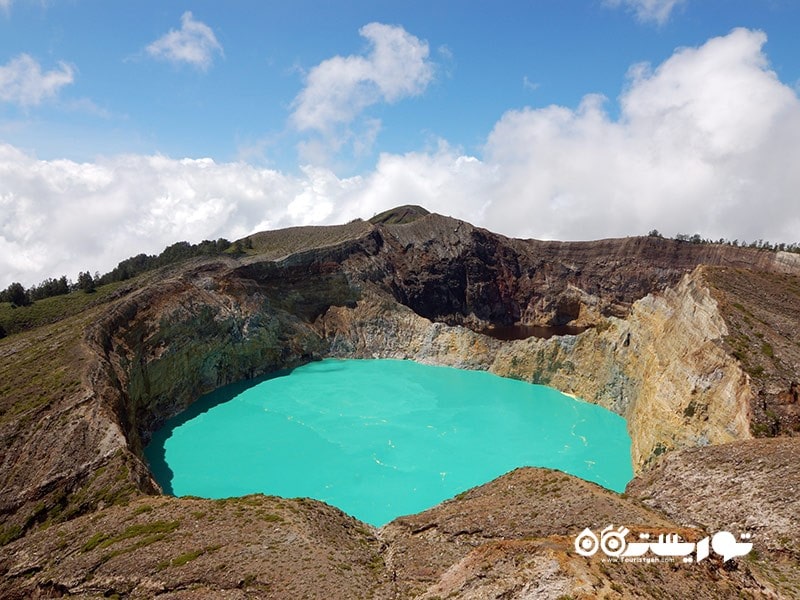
(382, 438)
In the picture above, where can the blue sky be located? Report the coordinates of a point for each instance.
(127, 126)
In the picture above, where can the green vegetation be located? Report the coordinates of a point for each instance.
(55, 299)
(175, 253)
(156, 529)
(376, 564)
(151, 539)
(94, 541)
(756, 244)
(86, 282)
(16, 295)
(9, 533)
(187, 557)
(272, 518)
(15, 319)
(38, 366)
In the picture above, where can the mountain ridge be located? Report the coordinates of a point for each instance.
(669, 348)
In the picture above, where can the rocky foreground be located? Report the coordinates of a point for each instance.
(695, 345)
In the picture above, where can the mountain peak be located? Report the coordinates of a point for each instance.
(400, 215)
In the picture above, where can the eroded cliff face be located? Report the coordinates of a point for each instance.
(189, 334)
(688, 391)
(129, 366)
(762, 312)
(452, 272)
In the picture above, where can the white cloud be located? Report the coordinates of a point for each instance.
(23, 82)
(657, 11)
(195, 44)
(529, 85)
(339, 89)
(5, 5)
(705, 142)
(59, 217)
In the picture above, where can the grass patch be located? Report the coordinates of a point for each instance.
(151, 539)
(281, 242)
(155, 529)
(94, 541)
(9, 533)
(52, 310)
(38, 367)
(272, 518)
(188, 557)
(376, 564)
(740, 307)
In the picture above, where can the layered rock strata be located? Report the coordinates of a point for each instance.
(663, 368)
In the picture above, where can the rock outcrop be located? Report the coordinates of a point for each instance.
(669, 346)
(511, 538)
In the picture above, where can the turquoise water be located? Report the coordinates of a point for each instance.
(382, 438)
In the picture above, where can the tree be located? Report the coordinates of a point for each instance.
(655, 233)
(49, 287)
(17, 295)
(86, 282)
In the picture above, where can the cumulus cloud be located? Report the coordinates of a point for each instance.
(59, 217)
(5, 5)
(23, 82)
(705, 142)
(656, 11)
(339, 89)
(194, 43)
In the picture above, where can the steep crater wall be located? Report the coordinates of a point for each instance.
(654, 355)
(449, 271)
(217, 324)
(663, 368)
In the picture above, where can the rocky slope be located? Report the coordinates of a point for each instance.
(511, 538)
(673, 328)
